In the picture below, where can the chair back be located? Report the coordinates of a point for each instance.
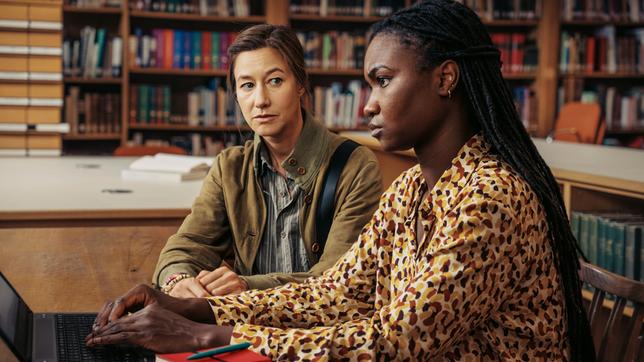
(147, 150)
(579, 122)
(619, 337)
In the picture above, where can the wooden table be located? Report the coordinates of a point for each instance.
(68, 245)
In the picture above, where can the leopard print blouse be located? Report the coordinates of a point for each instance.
(481, 284)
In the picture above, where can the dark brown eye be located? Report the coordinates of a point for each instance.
(382, 81)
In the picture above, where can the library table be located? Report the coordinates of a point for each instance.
(73, 234)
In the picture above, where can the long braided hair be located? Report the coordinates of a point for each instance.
(444, 29)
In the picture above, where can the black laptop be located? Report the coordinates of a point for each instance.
(51, 337)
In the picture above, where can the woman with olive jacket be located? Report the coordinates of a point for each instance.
(257, 206)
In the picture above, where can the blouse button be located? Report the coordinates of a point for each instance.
(301, 170)
(315, 247)
(292, 161)
(308, 199)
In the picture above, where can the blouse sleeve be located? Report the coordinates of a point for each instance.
(457, 283)
(343, 292)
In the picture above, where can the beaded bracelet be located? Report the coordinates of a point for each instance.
(173, 280)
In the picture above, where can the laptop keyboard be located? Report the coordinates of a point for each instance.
(71, 330)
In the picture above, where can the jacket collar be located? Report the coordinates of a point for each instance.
(303, 164)
(463, 166)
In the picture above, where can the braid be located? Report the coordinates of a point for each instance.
(438, 29)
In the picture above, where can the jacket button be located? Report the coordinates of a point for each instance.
(301, 170)
(315, 248)
(308, 199)
(292, 161)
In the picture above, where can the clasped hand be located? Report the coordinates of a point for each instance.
(221, 281)
(148, 318)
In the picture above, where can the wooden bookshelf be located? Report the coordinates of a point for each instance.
(603, 75)
(91, 10)
(545, 80)
(188, 128)
(593, 23)
(33, 24)
(81, 80)
(180, 72)
(335, 18)
(511, 23)
(30, 133)
(520, 75)
(196, 17)
(622, 82)
(92, 137)
(334, 72)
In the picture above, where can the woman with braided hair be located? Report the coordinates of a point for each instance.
(468, 257)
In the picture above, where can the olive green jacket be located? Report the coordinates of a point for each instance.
(227, 218)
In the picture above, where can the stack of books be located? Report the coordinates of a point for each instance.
(164, 167)
(94, 54)
(612, 241)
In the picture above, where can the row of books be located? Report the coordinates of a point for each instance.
(525, 100)
(203, 106)
(519, 51)
(179, 49)
(622, 109)
(333, 49)
(95, 3)
(91, 113)
(195, 144)
(606, 10)
(503, 9)
(612, 241)
(346, 7)
(602, 51)
(341, 106)
(32, 144)
(201, 7)
(94, 54)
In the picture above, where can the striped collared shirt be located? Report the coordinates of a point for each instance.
(282, 248)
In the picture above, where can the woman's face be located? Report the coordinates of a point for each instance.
(405, 102)
(267, 92)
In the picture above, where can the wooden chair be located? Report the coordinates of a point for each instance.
(147, 150)
(579, 122)
(606, 333)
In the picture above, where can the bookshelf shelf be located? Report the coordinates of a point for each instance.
(601, 23)
(30, 133)
(625, 132)
(187, 128)
(68, 9)
(80, 80)
(335, 72)
(603, 75)
(31, 81)
(520, 75)
(18, 30)
(181, 72)
(93, 137)
(254, 19)
(511, 23)
(335, 18)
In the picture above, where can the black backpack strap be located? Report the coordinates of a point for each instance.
(324, 215)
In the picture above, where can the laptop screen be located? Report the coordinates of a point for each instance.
(15, 320)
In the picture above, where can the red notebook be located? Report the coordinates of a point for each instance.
(243, 355)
